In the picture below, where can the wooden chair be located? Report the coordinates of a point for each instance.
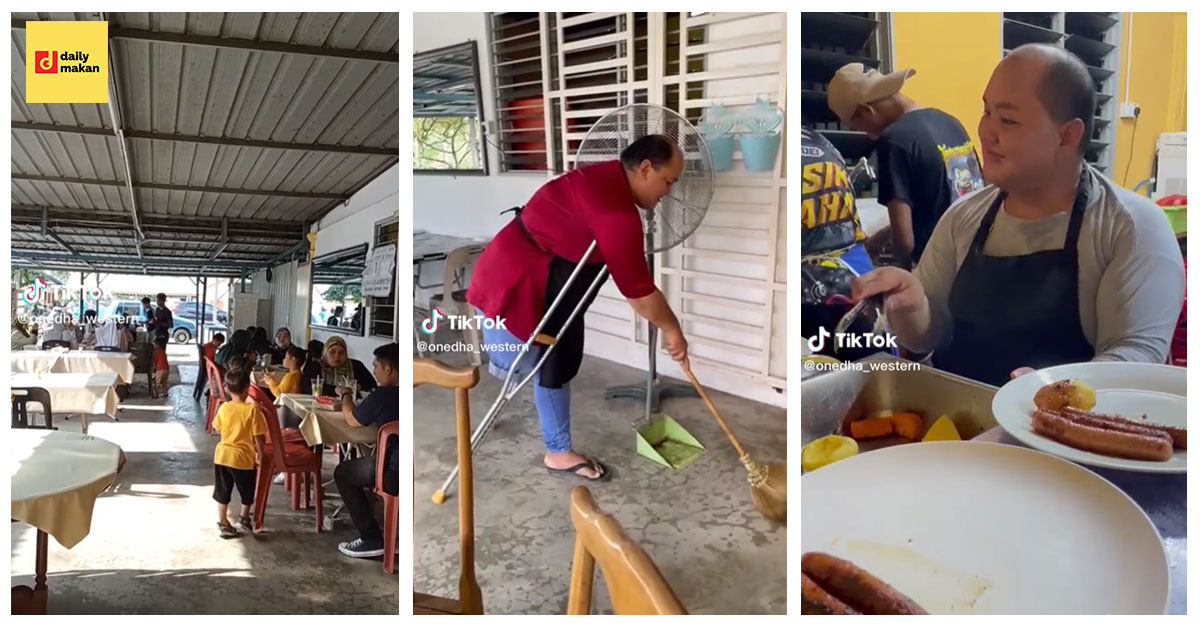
(461, 379)
(453, 300)
(635, 584)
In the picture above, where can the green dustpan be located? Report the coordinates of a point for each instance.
(664, 441)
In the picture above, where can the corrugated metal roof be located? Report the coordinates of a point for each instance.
(266, 121)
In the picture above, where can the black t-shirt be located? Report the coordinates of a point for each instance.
(382, 406)
(163, 322)
(927, 160)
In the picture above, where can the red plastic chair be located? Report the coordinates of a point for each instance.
(391, 503)
(290, 435)
(216, 392)
(259, 396)
(290, 457)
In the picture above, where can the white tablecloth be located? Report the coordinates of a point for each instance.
(74, 393)
(56, 477)
(321, 426)
(74, 362)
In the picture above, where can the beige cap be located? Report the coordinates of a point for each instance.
(855, 84)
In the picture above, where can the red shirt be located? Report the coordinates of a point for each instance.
(210, 351)
(160, 361)
(565, 215)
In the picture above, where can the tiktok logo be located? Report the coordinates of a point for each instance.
(817, 342)
(430, 324)
(34, 292)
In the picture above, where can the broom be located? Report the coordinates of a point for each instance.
(768, 482)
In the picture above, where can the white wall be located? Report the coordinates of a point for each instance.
(351, 224)
(348, 225)
(283, 291)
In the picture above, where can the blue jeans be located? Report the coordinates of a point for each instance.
(553, 404)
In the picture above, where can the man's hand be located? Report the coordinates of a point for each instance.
(902, 291)
(677, 346)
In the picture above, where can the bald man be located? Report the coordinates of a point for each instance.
(1052, 263)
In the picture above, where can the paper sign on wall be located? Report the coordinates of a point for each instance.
(379, 272)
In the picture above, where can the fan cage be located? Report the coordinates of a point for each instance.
(680, 212)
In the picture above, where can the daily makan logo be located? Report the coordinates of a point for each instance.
(66, 61)
(46, 62)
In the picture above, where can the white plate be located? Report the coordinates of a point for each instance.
(982, 528)
(1125, 388)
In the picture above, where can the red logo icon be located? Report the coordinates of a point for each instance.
(45, 62)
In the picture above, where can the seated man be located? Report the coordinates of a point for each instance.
(831, 247)
(355, 478)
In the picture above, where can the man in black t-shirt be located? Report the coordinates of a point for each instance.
(926, 159)
(355, 478)
(164, 321)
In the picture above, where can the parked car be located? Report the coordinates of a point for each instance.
(132, 309)
(187, 309)
(185, 329)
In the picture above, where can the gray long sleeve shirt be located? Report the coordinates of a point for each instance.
(1131, 279)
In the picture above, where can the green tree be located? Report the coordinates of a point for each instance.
(443, 144)
(341, 292)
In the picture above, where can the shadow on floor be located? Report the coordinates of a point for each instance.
(154, 547)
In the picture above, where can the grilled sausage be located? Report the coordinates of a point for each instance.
(817, 601)
(1101, 440)
(853, 585)
(1109, 423)
(1178, 435)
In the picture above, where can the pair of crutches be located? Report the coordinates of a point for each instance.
(511, 387)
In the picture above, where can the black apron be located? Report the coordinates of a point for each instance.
(563, 364)
(1009, 312)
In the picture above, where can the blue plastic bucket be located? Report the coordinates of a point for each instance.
(721, 148)
(758, 151)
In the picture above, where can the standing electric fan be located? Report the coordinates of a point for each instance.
(668, 224)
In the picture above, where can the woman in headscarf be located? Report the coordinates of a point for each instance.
(238, 345)
(335, 366)
(283, 342)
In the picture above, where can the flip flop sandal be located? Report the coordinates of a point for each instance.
(604, 476)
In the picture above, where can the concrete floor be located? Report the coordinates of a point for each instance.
(698, 524)
(154, 548)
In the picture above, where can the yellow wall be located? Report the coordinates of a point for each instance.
(1158, 84)
(954, 54)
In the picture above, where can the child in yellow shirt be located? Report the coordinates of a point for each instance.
(293, 359)
(243, 432)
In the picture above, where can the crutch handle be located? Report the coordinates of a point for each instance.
(545, 339)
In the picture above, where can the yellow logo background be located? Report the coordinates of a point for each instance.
(90, 38)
